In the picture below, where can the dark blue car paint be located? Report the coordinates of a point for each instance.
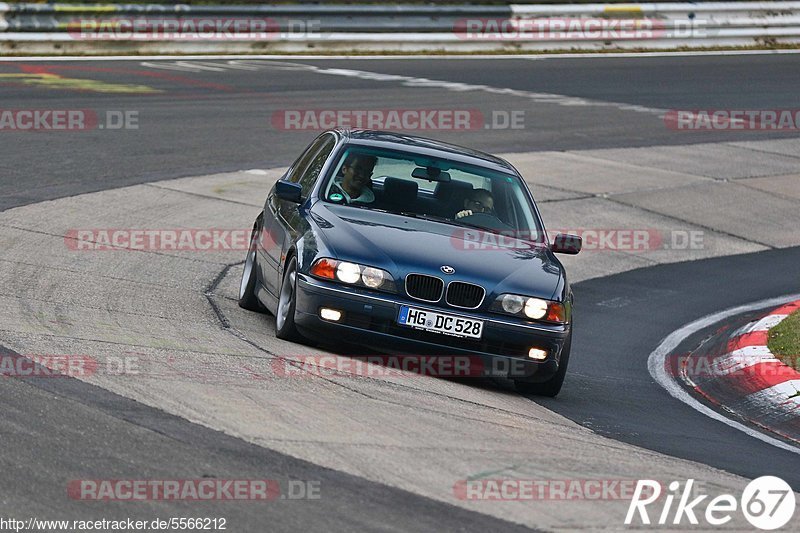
(400, 245)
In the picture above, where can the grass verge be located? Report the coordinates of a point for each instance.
(17, 49)
(784, 340)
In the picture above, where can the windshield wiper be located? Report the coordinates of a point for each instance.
(428, 217)
(364, 206)
(445, 220)
(433, 218)
(456, 222)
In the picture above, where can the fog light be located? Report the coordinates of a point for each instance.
(330, 314)
(536, 353)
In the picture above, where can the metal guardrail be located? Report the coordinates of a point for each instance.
(149, 28)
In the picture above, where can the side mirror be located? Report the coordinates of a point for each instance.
(286, 190)
(564, 243)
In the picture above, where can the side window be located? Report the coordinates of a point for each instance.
(299, 167)
(311, 173)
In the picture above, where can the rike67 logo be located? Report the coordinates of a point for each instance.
(767, 503)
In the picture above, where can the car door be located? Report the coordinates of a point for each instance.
(282, 218)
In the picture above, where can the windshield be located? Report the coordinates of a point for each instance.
(445, 191)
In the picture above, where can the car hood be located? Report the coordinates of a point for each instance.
(403, 244)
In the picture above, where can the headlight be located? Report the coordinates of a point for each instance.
(535, 308)
(530, 308)
(352, 274)
(372, 277)
(348, 272)
(512, 303)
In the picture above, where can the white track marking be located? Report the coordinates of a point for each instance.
(769, 321)
(188, 66)
(245, 65)
(201, 66)
(657, 368)
(785, 394)
(742, 358)
(408, 81)
(412, 81)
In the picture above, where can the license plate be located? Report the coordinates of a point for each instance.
(456, 326)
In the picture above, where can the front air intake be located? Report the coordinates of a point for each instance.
(422, 287)
(466, 295)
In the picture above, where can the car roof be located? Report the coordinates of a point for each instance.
(398, 141)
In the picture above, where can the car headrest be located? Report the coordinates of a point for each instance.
(449, 189)
(399, 191)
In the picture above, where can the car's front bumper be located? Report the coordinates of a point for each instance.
(370, 319)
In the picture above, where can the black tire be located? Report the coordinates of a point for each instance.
(552, 386)
(247, 288)
(285, 327)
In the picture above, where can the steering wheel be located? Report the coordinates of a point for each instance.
(487, 220)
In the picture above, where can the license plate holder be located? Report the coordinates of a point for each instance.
(443, 323)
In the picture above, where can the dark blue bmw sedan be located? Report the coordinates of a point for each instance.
(408, 245)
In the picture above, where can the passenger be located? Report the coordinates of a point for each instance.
(478, 201)
(355, 181)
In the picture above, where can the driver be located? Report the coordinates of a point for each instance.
(355, 182)
(478, 201)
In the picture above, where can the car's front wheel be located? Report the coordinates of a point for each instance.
(552, 386)
(285, 327)
(247, 287)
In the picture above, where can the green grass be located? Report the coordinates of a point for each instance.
(784, 340)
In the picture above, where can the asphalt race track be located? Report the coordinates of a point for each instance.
(371, 444)
(206, 120)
